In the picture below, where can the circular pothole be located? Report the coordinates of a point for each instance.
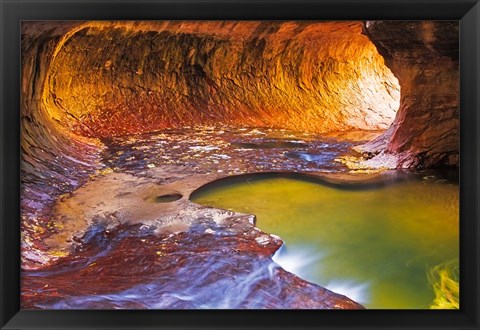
(167, 198)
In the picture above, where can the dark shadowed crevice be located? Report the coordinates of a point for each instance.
(424, 57)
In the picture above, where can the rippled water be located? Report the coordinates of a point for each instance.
(372, 243)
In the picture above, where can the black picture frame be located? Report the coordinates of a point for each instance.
(13, 12)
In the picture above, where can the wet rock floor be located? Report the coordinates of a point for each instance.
(228, 150)
(130, 238)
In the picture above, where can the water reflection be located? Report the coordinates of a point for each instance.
(375, 242)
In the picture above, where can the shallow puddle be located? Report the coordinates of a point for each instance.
(375, 243)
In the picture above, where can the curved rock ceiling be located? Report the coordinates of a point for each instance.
(108, 78)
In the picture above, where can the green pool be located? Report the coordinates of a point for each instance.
(373, 243)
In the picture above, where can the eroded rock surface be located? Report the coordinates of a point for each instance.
(424, 58)
(101, 79)
(174, 254)
(113, 78)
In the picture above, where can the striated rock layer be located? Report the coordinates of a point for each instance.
(54, 161)
(112, 78)
(424, 58)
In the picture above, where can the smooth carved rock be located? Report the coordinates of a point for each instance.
(424, 58)
(117, 78)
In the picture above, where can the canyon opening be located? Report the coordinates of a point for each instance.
(240, 165)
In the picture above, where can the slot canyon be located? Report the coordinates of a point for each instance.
(125, 124)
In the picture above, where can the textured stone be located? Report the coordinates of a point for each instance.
(209, 266)
(112, 78)
(424, 58)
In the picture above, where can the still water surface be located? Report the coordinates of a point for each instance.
(374, 244)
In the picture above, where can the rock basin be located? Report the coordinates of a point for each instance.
(134, 227)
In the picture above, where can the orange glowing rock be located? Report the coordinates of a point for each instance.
(315, 76)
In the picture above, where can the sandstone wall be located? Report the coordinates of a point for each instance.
(424, 58)
(114, 78)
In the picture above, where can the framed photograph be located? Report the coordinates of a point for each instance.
(239, 164)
